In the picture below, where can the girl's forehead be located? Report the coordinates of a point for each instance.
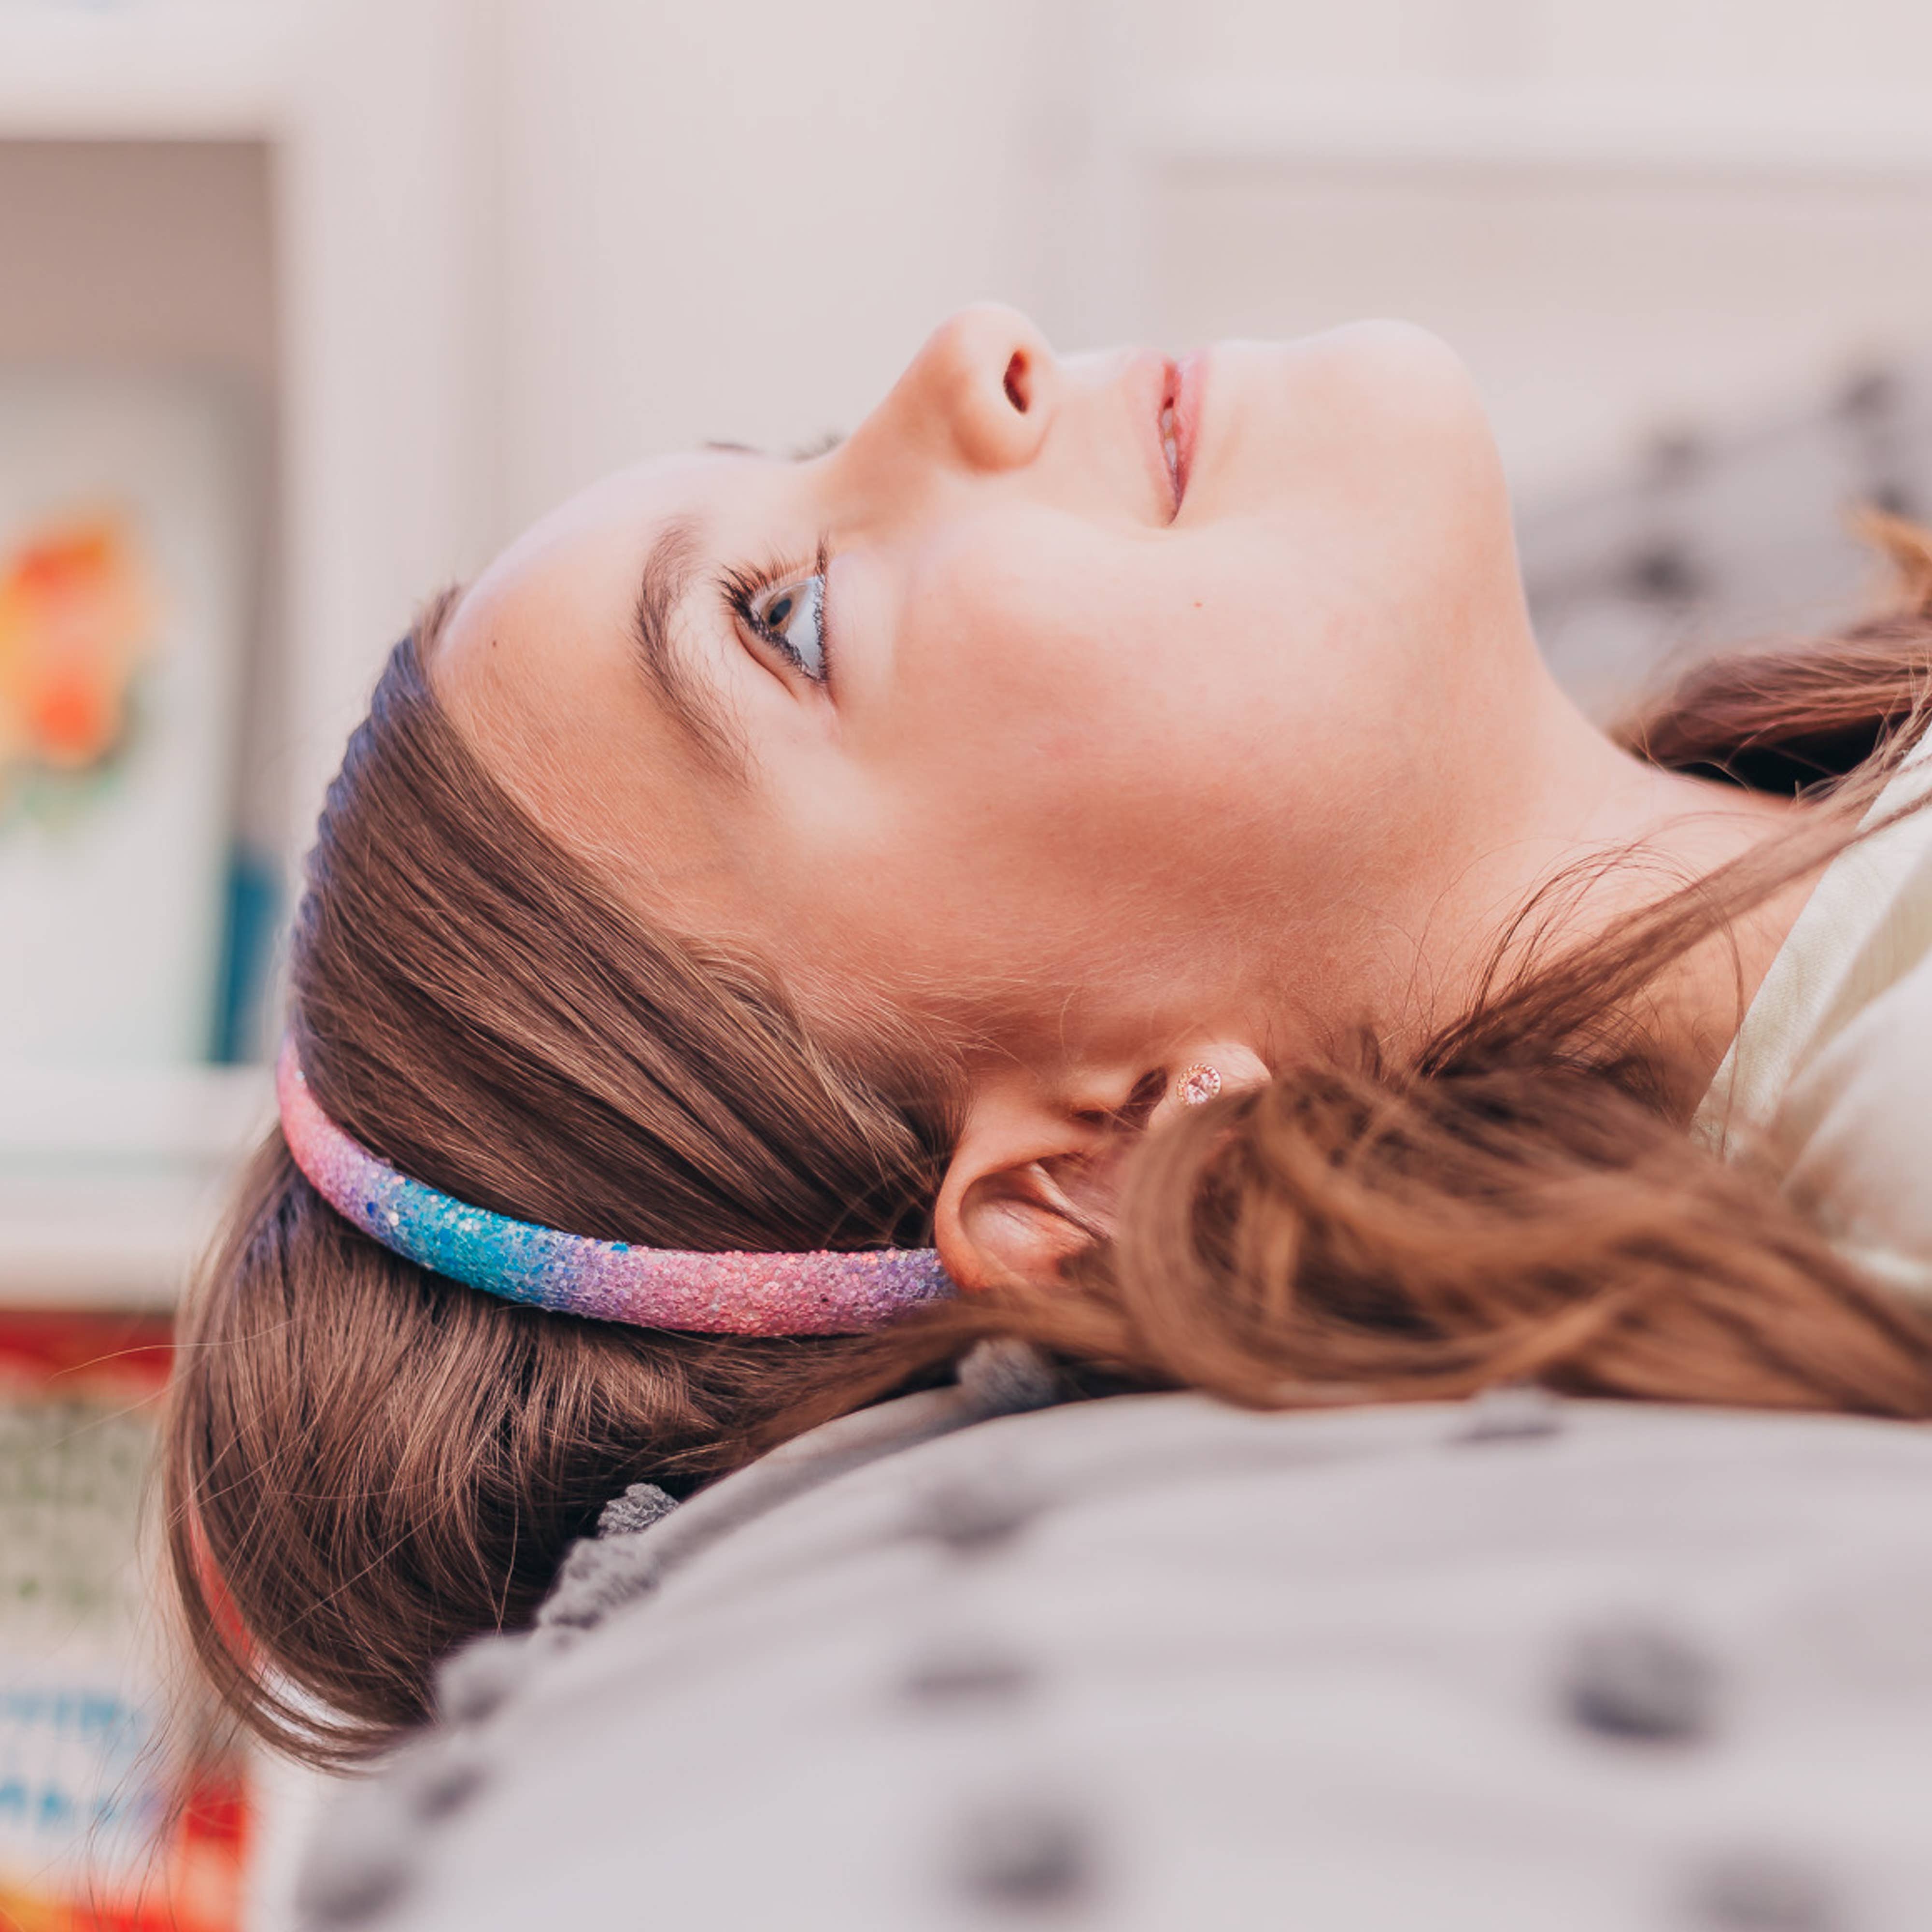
(541, 671)
(617, 518)
(561, 604)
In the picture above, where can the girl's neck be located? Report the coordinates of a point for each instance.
(1615, 835)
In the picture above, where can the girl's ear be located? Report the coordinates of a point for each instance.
(1034, 1179)
(1020, 1194)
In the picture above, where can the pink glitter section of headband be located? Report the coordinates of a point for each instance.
(823, 1293)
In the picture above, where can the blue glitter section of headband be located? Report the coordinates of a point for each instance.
(728, 1292)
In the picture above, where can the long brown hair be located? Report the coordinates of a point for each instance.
(366, 1465)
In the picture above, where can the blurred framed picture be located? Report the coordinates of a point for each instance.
(99, 1830)
(124, 565)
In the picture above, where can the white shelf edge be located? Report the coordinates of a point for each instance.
(183, 72)
(80, 1271)
(196, 1115)
(111, 1180)
(1531, 130)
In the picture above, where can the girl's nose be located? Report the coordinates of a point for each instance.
(984, 384)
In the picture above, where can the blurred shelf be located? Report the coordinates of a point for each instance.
(110, 1182)
(376, 117)
(171, 1114)
(115, 1246)
(1746, 135)
(156, 71)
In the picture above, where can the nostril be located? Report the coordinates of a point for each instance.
(1019, 386)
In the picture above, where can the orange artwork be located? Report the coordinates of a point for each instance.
(77, 622)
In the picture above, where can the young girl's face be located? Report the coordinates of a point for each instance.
(1004, 711)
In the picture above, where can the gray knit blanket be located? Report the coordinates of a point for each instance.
(973, 1660)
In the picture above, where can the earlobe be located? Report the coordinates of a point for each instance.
(1210, 1069)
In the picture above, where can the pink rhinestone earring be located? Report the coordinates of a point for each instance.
(1198, 1085)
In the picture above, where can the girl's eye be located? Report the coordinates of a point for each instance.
(792, 616)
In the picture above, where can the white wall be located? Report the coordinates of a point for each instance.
(1595, 312)
(1885, 44)
(1626, 215)
(736, 220)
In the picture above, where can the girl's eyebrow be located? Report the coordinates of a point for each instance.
(715, 734)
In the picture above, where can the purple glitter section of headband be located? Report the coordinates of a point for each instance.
(728, 1294)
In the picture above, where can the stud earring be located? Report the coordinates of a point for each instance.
(1198, 1085)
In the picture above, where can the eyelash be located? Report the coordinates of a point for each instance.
(743, 588)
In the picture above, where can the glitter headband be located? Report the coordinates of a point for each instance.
(729, 1294)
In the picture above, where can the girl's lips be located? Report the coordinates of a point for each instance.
(1172, 398)
(1187, 380)
(1166, 429)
